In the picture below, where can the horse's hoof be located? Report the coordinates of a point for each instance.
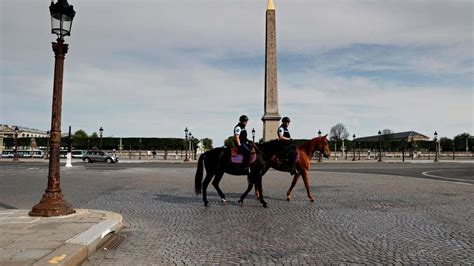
(206, 203)
(241, 202)
(312, 200)
(265, 205)
(224, 201)
(288, 198)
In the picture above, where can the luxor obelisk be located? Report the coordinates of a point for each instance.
(271, 118)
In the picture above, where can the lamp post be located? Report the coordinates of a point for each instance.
(69, 149)
(15, 155)
(101, 133)
(353, 147)
(320, 156)
(53, 202)
(380, 146)
(46, 157)
(436, 146)
(186, 159)
(253, 135)
(189, 145)
(140, 149)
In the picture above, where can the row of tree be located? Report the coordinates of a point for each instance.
(80, 140)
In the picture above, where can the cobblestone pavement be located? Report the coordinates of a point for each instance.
(356, 218)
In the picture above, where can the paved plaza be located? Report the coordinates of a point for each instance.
(356, 218)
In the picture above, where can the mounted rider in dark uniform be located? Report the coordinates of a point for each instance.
(240, 136)
(288, 148)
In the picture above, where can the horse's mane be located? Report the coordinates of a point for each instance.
(270, 147)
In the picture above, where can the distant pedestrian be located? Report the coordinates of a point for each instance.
(154, 154)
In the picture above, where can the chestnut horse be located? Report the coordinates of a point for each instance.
(303, 160)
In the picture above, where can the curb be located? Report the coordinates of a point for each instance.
(80, 247)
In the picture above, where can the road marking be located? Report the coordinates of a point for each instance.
(57, 259)
(442, 177)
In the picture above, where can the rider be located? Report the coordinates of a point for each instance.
(240, 136)
(288, 148)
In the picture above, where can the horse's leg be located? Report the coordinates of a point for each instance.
(205, 183)
(250, 186)
(258, 184)
(215, 183)
(293, 183)
(305, 176)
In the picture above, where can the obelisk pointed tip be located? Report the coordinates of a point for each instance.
(271, 6)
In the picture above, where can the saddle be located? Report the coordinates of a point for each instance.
(237, 157)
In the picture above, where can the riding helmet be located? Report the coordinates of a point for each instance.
(243, 118)
(285, 119)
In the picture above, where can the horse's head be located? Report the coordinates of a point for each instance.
(323, 146)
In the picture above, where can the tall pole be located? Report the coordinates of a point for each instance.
(140, 149)
(380, 146)
(101, 131)
(15, 155)
(46, 157)
(436, 146)
(454, 150)
(320, 155)
(353, 148)
(53, 202)
(359, 151)
(186, 158)
(69, 149)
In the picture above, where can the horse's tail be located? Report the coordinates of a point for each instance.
(199, 174)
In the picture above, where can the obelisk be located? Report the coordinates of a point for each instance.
(271, 118)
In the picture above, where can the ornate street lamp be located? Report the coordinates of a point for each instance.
(320, 156)
(353, 147)
(101, 133)
(191, 142)
(380, 146)
(253, 135)
(46, 157)
(15, 155)
(189, 145)
(436, 146)
(186, 159)
(53, 202)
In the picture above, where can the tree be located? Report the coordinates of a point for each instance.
(94, 135)
(229, 142)
(207, 143)
(387, 131)
(462, 141)
(446, 144)
(339, 132)
(80, 134)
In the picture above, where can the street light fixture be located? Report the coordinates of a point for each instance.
(189, 145)
(186, 159)
(253, 135)
(436, 146)
(15, 155)
(53, 202)
(380, 146)
(101, 133)
(353, 147)
(320, 158)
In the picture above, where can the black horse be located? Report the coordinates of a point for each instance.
(218, 161)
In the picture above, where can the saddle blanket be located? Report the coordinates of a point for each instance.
(238, 158)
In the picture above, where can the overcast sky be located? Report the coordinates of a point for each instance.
(153, 67)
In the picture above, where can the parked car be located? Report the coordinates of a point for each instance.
(99, 156)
